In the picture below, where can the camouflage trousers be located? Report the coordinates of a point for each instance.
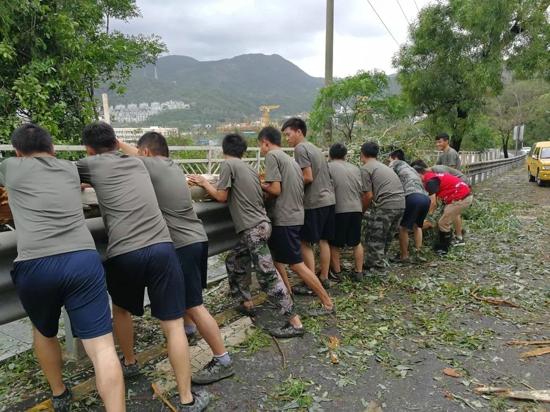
(379, 228)
(252, 250)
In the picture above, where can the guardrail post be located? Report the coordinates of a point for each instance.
(73, 346)
(258, 160)
(209, 157)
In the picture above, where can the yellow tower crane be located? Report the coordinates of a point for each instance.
(265, 113)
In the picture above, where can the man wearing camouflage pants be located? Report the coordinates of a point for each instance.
(384, 198)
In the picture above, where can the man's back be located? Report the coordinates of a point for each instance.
(320, 192)
(449, 157)
(127, 201)
(410, 179)
(44, 196)
(175, 202)
(245, 199)
(287, 209)
(346, 179)
(450, 170)
(384, 184)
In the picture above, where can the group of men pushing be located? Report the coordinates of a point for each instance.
(156, 241)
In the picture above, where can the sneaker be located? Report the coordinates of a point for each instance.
(357, 276)
(243, 310)
(193, 339)
(201, 399)
(286, 331)
(458, 241)
(322, 311)
(129, 371)
(325, 283)
(336, 276)
(301, 290)
(214, 371)
(63, 402)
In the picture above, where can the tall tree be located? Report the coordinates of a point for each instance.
(458, 50)
(55, 54)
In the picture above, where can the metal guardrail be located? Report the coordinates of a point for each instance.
(217, 223)
(478, 172)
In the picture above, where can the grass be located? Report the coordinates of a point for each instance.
(295, 391)
(256, 340)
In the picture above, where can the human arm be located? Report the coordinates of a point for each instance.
(83, 168)
(366, 200)
(272, 185)
(301, 157)
(219, 195)
(308, 175)
(433, 204)
(272, 188)
(127, 148)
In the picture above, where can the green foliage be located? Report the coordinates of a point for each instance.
(359, 98)
(481, 135)
(255, 340)
(55, 54)
(458, 50)
(295, 390)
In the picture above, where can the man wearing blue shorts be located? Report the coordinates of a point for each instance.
(417, 205)
(191, 243)
(57, 264)
(140, 255)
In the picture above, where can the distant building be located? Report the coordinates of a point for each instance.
(132, 134)
(137, 113)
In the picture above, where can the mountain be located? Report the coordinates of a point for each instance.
(228, 89)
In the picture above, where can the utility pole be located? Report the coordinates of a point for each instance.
(106, 113)
(329, 46)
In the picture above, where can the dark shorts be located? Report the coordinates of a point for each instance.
(348, 229)
(285, 245)
(417, 206)
(75, 280)
(194, 265)
(154, 267)
(318, 224)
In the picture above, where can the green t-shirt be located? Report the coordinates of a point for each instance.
(346, 179)
(449, 158)
(384, 184)
(175, 202)
(245, 200)
(126, 200)
(287, 209)
(320, 192)
(44, 197)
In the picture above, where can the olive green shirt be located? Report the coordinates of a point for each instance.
(346, 179)
(449, 158)
(384, 184)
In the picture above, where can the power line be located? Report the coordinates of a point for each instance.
(417, 9)
(382, 21)
(403, 12)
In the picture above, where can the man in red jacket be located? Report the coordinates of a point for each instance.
(455, 195)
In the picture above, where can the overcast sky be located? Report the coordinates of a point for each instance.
(295, 29)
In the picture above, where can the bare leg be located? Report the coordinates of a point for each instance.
(308, 256)
(48, 352)
(458, 226)
(324, 252)
(208, 328)
(178, 354)
(404, 242)
(187, 320)
(313, 283)
(417, 237)
(296, 322)
(284, 275)
(427, 225)
(123, 326)
(359, 257)
(335, 259)
(108, 373)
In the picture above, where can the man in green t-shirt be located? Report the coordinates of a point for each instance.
(448, 156)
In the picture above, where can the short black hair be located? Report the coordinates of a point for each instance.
(443, 136)
(234, 145)
(295, 123)
(155, 142)
(370, 149)
(338, 151)
(419, 165)
(398, 154)
(31, 138)
(271, 134)
(100, 136)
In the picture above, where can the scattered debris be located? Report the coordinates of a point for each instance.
(532, 395)
(283, 357)
(160, 395)
(333, 344)
(373, 406)
(536, 352)
(528, 342)
(493, 300)
(453, 373)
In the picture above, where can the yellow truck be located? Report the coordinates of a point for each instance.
(538, 163)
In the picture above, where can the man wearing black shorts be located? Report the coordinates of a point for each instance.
(285, 187)
(319, 197)
(417, 205)
(190, 241)
(57, 265)
(349, 210)
(140, 254)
